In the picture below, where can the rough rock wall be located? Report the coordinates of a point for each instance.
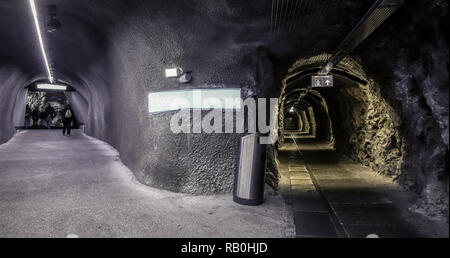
(367, 126)
(414, 79)
(423, 89)
(398, 123)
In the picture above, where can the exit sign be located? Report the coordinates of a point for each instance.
(322, 81)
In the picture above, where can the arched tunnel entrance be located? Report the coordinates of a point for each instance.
(304, 116)
(321, 141)
(351, 117)
(46, 105)
(337, 146)
(365, 156)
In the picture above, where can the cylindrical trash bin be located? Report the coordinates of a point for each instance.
(249, 178)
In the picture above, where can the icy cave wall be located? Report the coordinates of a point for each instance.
(367, 127)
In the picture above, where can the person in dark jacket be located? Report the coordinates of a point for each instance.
(49, 115)
(27, 117)
(67, 120)
(35, 116)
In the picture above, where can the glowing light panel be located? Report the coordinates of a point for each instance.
(194, 99)
(47, 86)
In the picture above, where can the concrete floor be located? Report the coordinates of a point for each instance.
(335, 197)
(55, 186)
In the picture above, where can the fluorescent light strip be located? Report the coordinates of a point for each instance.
(38, 29)
(46, 86)
(194, 99)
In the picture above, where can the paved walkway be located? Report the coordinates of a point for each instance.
(334, 197)
(55, 186)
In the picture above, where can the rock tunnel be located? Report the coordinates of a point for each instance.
(387, 110)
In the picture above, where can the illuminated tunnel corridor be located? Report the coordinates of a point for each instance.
(363, 154)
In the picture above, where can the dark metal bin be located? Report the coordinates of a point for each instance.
(249, 178)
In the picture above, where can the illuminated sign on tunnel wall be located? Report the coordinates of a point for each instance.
(47, 86)
(194, 99)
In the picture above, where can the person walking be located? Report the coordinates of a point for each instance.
(35, 116)
(27, 117)
(49, 114)
(67, 121)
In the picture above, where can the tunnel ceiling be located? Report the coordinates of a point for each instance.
(76, 45)
(83, 38)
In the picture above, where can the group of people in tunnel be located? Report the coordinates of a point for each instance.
(32, 117)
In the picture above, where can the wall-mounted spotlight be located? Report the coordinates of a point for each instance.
(185, 78)
(177, 72)
(291, 110)
(47, 86)
(174, 72)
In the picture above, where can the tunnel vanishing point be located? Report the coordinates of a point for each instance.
(360, 124)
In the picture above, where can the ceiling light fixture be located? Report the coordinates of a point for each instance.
(38, 30)
(47, 86)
